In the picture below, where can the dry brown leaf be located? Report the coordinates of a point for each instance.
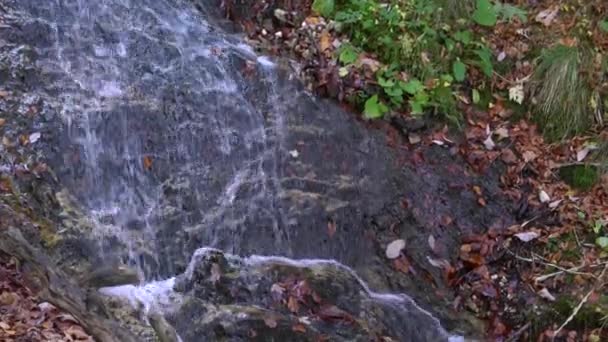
(299, 328)
(293, 305)
(325, 40)
(147, 162)
(547, 16)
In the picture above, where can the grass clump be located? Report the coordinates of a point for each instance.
(562, 92)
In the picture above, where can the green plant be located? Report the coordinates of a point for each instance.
(485, 13)
(324, 7)
(581, 177)
(426, 55)
(562, 92)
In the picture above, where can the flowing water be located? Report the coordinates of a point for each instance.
(178, 137)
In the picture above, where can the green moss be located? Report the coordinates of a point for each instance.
(580, 177)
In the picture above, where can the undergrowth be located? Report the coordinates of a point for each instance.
(562, 92)
(433, 56)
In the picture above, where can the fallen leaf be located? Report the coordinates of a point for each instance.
(2, 121)
(67, 318)
(489, 143)
(77, 333)
(216, 273)
(544, 293)
(34, 137)
(331, 228)
(516, 93)
(325, 40)
(292, 304)
(393, 250)
(529, 156)
(527, 236)
(147, 162)
(508, 156)
(333, 312)
(277, 291)
(402, 264)
(582, 154)
(413, 138)
(4, 326)
(547, 16)
(555, 204)
(543, 197)
(502, 133)
(372, 64)
(270, 321)
(299, 328)
(432, 242)
(439, 263)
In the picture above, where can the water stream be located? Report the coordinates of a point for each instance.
(176, 146)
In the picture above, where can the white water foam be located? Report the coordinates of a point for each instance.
(156, 296)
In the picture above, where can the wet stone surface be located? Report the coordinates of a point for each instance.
(163, 134)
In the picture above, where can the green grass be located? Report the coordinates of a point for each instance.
(562, 93)
(580, 177)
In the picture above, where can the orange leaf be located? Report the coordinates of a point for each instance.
(147, 162)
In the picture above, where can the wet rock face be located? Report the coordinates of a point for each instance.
(262, 298)
(169, 134)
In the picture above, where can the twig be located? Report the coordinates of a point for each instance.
(561, 269)
(583, 301)
(569, 270)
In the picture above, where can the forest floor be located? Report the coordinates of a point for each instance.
(542, 279)
(23, 317)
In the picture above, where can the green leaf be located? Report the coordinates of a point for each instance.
(485, 61)
(324, 7)
(485, 13)
(476, 96)
(604, 25)
(463, 36)
(385, 83)
(413, 87)
(417, 108)
(602, 242)
(348, 54)
(597, 227)
(460, 70)
(374, 109)
(508, 11)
